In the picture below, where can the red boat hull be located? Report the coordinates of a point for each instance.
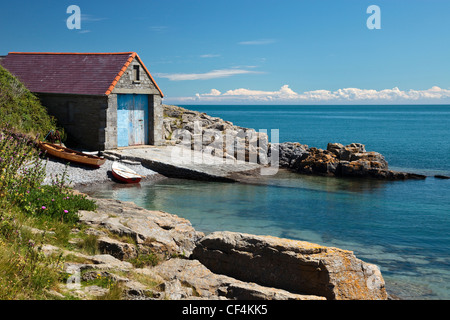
(123, 179)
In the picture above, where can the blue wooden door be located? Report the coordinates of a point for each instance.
(132, 119)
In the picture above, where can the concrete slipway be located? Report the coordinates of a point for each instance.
(179, 162)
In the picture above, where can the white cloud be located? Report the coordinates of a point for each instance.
(222, 73)
(286, 95)
(257, 42)
(213, 93)
(210, 56)
(90, 18)
(158, 28)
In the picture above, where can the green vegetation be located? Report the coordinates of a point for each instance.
(21, 109)
(144, 260)
(25, 204)
(25, 273)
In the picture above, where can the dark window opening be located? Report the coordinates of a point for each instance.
(136, 73)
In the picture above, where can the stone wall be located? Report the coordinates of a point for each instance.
(111, 123)
(127, 84)
(156, 134)
(83, 117)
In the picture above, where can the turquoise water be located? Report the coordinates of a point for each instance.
(402, 226)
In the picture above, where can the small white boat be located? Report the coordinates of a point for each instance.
(125, 174)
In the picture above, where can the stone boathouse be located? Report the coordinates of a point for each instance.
(103, 100)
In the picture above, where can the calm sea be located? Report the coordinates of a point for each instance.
(402, 226)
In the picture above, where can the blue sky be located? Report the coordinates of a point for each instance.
(256, 51)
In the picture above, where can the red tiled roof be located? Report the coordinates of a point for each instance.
(70, 73)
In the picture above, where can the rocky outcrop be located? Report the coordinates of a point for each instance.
(174, 277)
(154, 231)
(338, 160)
(191, 278)
(212, 134)
(296, 266)
(221, 265)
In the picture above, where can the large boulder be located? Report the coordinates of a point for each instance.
(290, 154)
(186, 279)
(154, 231)
(296, 266)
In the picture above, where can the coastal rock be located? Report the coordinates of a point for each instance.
(214, 135)
(156, 231)
(338, 160)
(296, 266)
(186, 279)
(117, 249)
(290, 153)
(222, 265)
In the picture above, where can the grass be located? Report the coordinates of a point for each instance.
(25, 271)
(145, 260)
(21, 109)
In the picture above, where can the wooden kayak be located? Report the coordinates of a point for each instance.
(71, 155)
(125, 174)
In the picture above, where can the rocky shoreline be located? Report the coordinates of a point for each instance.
(218, 266)
(184, 126)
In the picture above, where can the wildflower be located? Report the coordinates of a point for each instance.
(43, 208)
(65, 211)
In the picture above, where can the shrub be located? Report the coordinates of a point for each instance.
(21, 109)
(21, 169)
(21, 175)
(51, 202)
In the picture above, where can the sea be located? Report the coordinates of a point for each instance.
(401, 226)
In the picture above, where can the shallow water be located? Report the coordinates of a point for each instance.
(382, 222)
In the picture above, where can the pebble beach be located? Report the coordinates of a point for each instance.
(78, 175)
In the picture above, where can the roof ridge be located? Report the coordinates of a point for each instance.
(80, 53)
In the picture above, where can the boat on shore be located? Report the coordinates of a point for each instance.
(70, 155)
(125, 174)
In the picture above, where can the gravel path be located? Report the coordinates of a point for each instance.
(83, 175)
